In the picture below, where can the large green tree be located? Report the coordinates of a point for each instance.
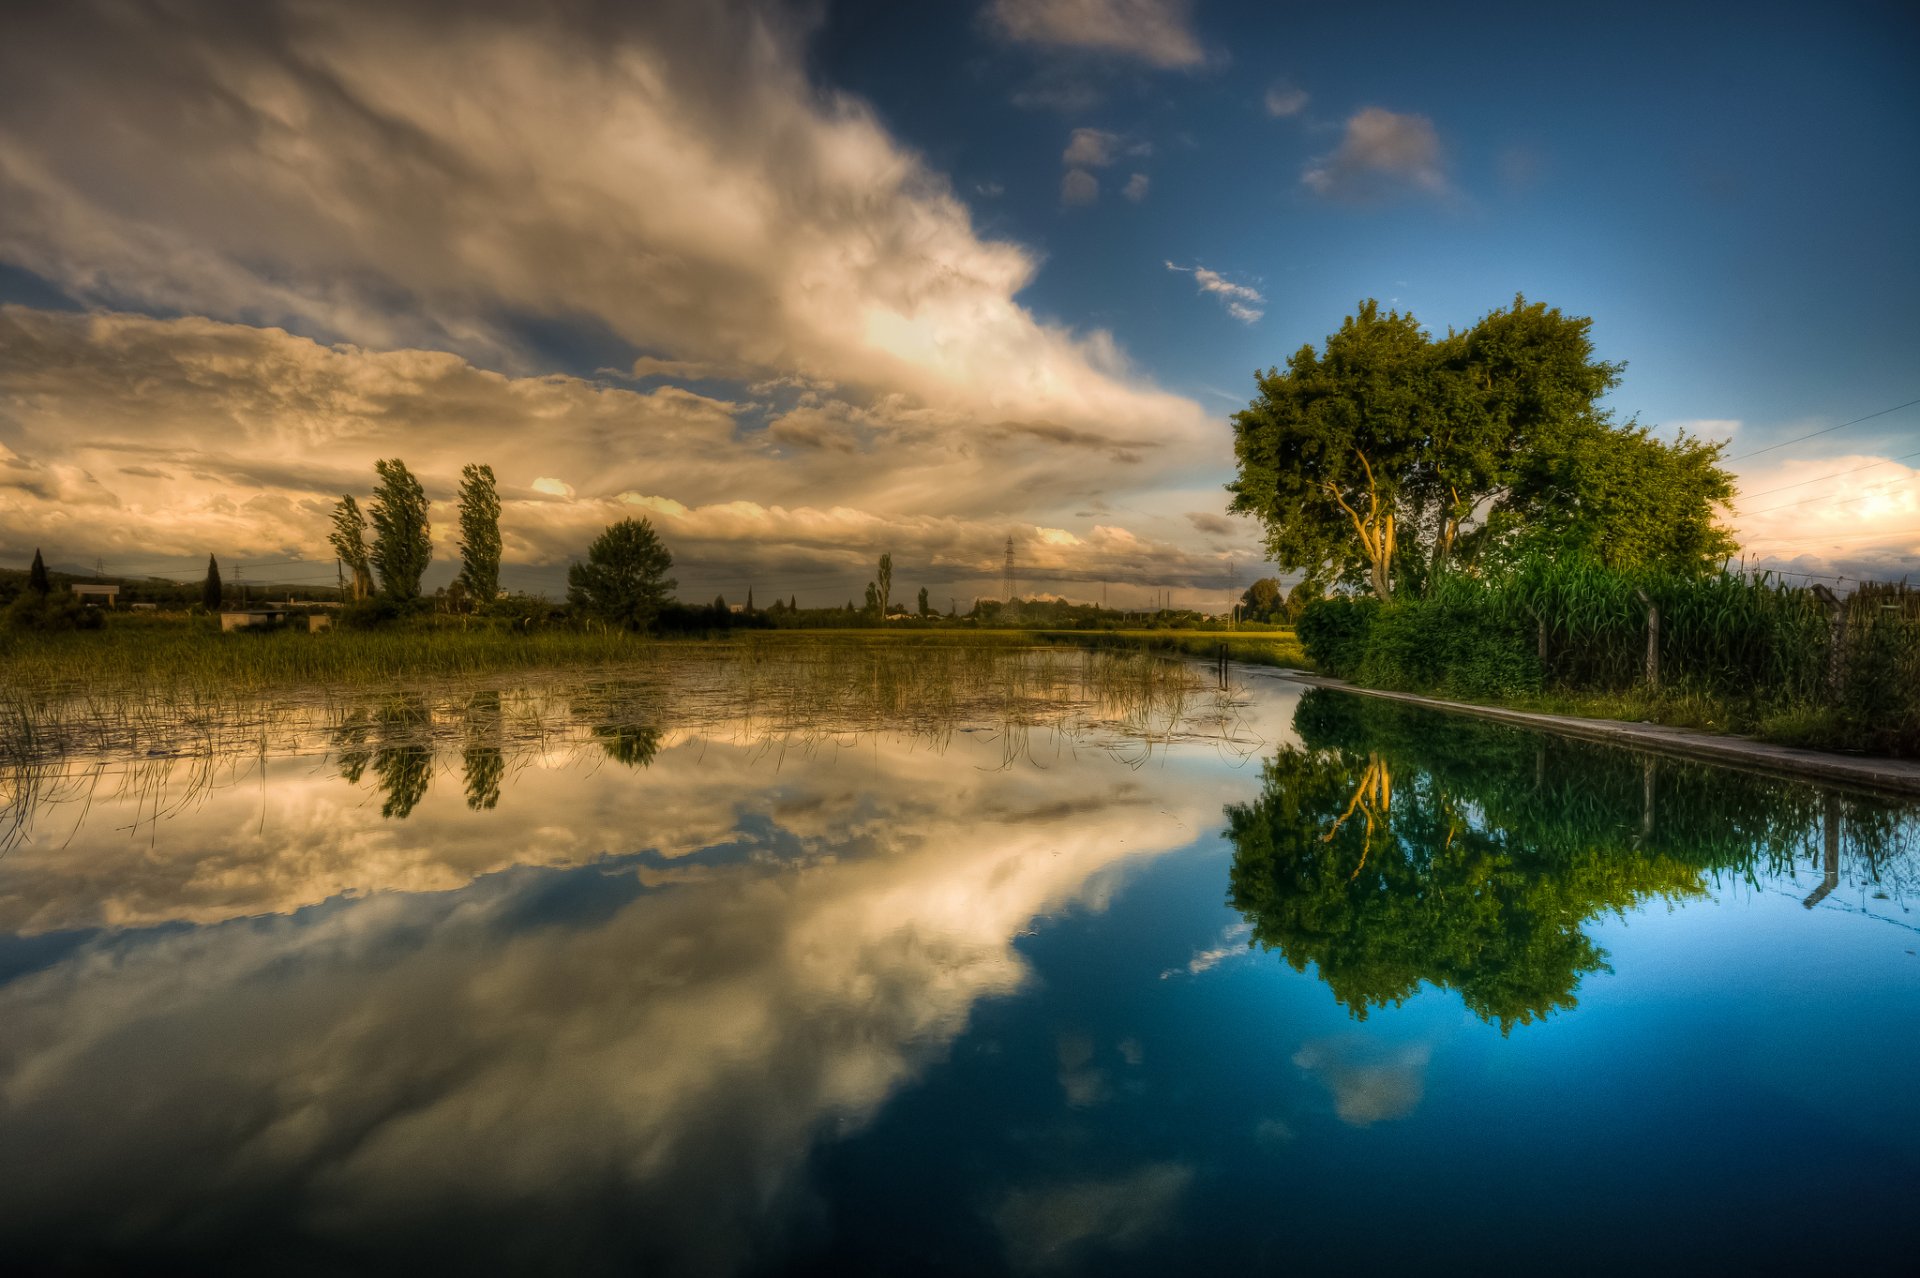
(349, 541)
(37, 580)
(1392, 455)
(479, 534)
(624, 580)
(402, 537)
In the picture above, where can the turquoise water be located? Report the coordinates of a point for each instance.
(1290, 983)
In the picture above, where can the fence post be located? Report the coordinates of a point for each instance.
(1836, 639)
(1653, 641)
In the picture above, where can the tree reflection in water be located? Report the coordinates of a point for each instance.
(1397, 847)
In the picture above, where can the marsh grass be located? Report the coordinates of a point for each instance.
(773, 692)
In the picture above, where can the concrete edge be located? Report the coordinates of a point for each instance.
(1895, 776)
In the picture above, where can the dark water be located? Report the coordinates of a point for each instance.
(1322, 986)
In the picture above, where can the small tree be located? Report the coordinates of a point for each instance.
(349, 541)
(212, 594)
(402, 541)
(923, 601)
(624, 580)
(885, 584)
(1262, 599)
(37, 576)
(749, 601)
(479, 534)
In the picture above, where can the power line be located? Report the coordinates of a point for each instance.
(1835, 475)
(1860, 496)
(1828, 431)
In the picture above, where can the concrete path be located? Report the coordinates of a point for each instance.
(1901, 776)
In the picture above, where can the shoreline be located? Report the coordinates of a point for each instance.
(1871, 772)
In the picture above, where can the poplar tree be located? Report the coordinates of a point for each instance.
(37, 580)
(479, 534)
(349, 541)
(402, 538)
(212, 593)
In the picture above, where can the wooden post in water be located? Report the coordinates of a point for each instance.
(1832, 878)
(1653, 641)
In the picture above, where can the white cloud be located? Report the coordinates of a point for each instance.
(1090, 149)
(1370, 1083)
(1284, 99)
(1157, 32)
(1046, 1225)
(1136, 187)
(1381, 154)
(1079, 187)
(553, 487)
(1242, 301)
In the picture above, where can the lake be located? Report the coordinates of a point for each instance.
(934, 963)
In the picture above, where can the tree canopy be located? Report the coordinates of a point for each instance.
(1391, 455)
(624, 580)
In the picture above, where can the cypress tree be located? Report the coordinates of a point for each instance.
(211, 593)
(37, 576)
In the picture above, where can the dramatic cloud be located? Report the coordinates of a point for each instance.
(1380, 155)
(721, 1013)
(1284, 99)
(1136, 187)
(362, 177)
(362, 172)
(1243, 302)
(1157, 32)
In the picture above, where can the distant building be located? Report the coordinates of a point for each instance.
(248, 618)
(91, 594)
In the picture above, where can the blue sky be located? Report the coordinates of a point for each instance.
(806, 284)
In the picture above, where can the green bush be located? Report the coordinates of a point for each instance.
(33, 612)
(1334, 632)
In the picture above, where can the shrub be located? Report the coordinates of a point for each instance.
(45, 614)
(1335, 631)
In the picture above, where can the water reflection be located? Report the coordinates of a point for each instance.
(613, 977)
(1396, 847)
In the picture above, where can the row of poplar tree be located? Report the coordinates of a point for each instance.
(402, 545)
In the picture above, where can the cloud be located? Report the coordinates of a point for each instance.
(1136, 188)
(1284, 99)
(1156, 32)
(1381, 154)
(1371, 1083)
(1214, 525)
(1854, 515)
(362, 176)
(242, 910)
(1090, 149)
(274, 427)
(1242, 301)
(1079, 187)
(1045, 1226)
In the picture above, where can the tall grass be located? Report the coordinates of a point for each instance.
(1747, 654)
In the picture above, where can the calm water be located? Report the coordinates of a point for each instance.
(582, 980)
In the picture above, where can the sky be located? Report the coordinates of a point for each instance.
(802, 284)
